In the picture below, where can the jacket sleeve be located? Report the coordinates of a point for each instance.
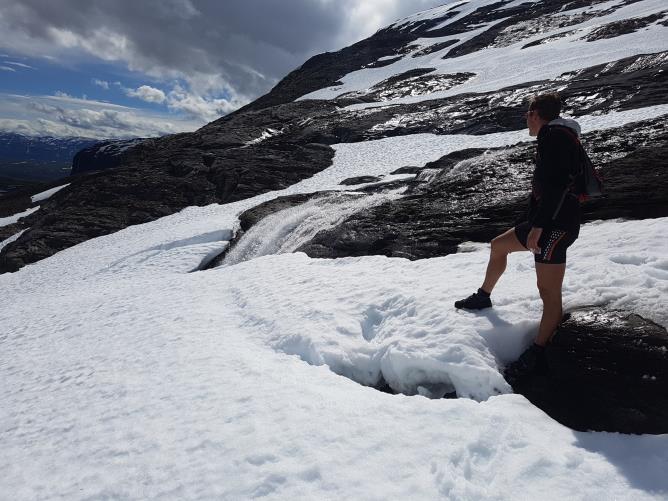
(557, 153)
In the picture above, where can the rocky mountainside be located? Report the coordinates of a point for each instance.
(467, 68)
(102, 155)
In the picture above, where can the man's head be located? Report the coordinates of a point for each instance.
(542, 109)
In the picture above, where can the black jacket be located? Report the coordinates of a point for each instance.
(551, 204)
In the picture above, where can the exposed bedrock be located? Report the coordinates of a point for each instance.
(628, 83)
(625, 26)
(527, 20)
(411, 83)
(482, 196)
(608, 371)
(103, 155)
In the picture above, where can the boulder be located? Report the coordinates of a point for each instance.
(607, 371)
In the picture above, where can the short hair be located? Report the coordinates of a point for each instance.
(548, 105)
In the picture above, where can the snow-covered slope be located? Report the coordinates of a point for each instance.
(508, 61)
(130, 377)
(129, 371)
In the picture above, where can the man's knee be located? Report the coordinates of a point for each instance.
(549, 293)
(498, 246)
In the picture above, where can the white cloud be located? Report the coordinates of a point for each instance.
(20, 65)
(222, 54)
(196, 106)
(147, 93)
(64, 115)
(71, 101)
(220, 50)
(197, 101)
(101, 83)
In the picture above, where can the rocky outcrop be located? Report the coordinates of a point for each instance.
(488, 195)
(607, 371)
(103, 155)
(410, 83)
(625, 26)
(351, 181)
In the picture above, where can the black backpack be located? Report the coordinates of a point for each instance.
(586, 182)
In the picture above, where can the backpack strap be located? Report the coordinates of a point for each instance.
(571, 133)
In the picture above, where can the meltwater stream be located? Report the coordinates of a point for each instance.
(286, 230)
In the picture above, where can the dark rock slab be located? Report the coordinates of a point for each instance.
(411, 83)
(636, 185)
(624, 27)
(430, 49)
(382, 63)
(408, 169)
(608, 371)
(103, 155)
(351, 181)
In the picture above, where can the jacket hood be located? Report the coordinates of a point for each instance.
(567, 122)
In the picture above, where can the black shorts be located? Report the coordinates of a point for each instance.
(552, 242)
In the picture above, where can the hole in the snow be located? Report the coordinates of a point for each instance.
(432, 391)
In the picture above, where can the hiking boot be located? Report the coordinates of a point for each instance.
(531, 363)
(476, 301)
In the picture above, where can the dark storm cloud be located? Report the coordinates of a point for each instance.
(236, 49)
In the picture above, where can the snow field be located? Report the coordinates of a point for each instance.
(172, 384)
(122, 375)
(6, 221)
(44, 195)
(11, 239)
(500, 67)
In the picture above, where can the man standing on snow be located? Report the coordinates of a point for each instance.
(553, 218)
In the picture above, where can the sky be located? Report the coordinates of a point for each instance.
(128, 68)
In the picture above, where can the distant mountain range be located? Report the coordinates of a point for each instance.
(25, 158)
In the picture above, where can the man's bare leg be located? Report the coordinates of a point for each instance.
(550, 279)
(502, 245)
